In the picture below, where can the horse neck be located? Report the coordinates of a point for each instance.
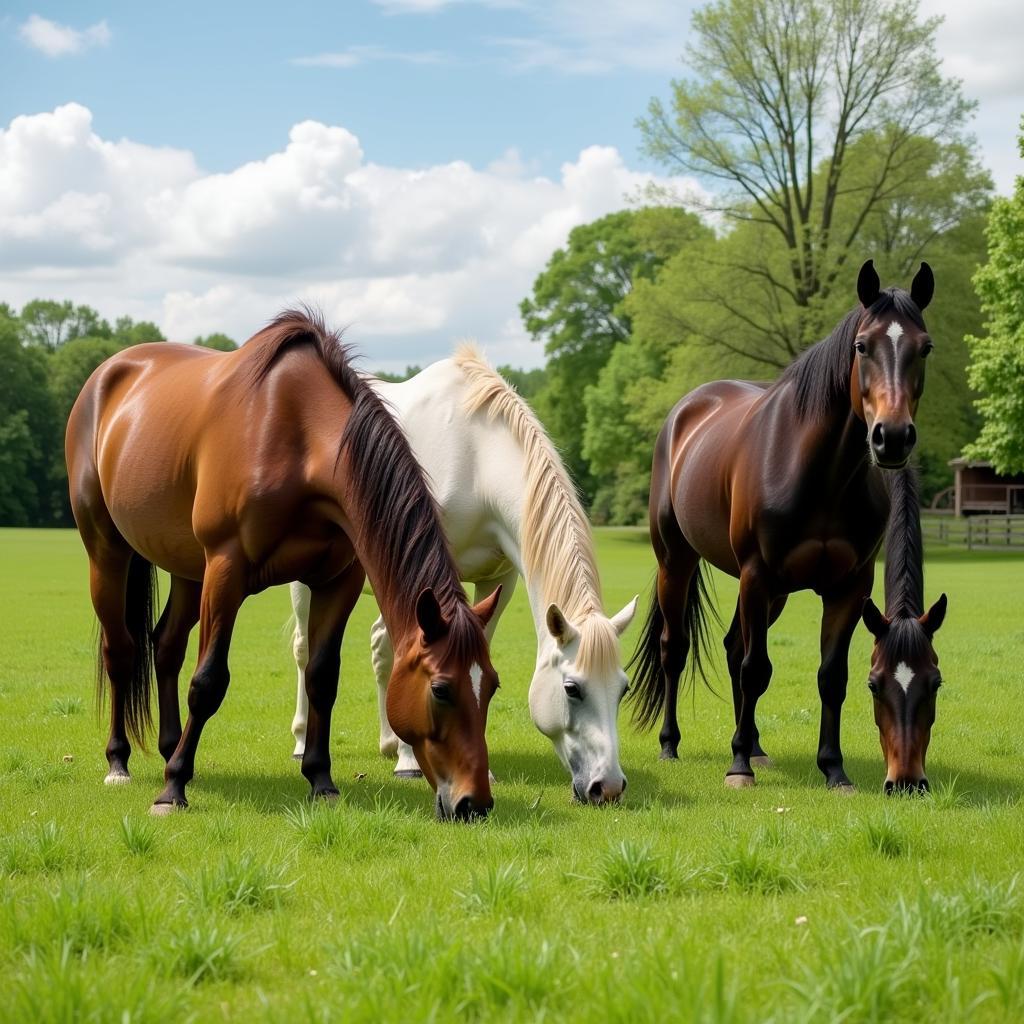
(509, 511)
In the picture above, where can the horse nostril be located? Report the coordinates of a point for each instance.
(889, 786)
(911, 436)
(878, 437)
(467, 809)
(595, 791)
(623, 783)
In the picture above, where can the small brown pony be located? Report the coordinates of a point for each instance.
(782, 486)
(905, 677)
(238, 471)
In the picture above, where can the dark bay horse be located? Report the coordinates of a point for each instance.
(781, 485)
(239, 471)
(904, 678)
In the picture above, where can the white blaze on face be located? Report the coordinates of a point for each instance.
(904, 675)
(895, 332)
(475, 675)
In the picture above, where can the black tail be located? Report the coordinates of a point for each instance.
(648, 691)
(140, 603)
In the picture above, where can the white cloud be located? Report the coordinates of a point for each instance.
(354, 56)
(57, 40)
(412, 259)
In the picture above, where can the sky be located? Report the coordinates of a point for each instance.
(407, 165)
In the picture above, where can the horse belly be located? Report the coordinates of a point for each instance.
(818, 565)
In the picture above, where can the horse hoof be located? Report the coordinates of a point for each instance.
(739, 781)
(328, 796)
(117, 779)
(761, 761)
(845, 788)
(667, 754)
(165, 810)
(408, 773)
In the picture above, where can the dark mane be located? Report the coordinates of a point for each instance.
(904, 571)
(821, 375)
(400, 525)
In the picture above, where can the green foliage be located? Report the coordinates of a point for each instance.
(220, 342)
(397, 378)
(577, 310)
(129, 332)
(48, 324)
(818, 126)
(29, 435)
(997, 357)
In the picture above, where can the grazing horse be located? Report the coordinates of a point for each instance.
(904, 678)
(782, 486)
(510, 510)
(239, 471)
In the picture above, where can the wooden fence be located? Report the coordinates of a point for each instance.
(1004, 533)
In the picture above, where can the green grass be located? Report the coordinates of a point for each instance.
(688, 901)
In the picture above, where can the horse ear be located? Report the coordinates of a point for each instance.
(933, 618)
(485, 609)
(622, 620)
(559, 626)
(868, 285)
(877, 623)
(922, 288)
(430, 617)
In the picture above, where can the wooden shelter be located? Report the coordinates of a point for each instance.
(979, 490)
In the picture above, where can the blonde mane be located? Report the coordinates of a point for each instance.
(557, 547)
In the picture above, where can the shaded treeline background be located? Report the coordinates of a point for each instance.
(821, 135)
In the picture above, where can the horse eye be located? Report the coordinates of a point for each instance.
(873, 686)
(442, 691)
(860, 347)
(926, 348)
(936, 686)
(572, 690)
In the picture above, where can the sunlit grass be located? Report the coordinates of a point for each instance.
(687, 901)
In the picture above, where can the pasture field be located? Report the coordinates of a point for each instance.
(686, 902)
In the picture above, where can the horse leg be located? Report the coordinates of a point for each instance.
(170, 643)
(382, 656)
(674, 577)
(484, 589)
(755, 671)
(300, 650)
(733, 644)
(840, 615)
(108, 578)
(329, 611)
(222, 595)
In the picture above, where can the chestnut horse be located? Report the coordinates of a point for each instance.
(904, 678)
(238, 471)
(782, 486)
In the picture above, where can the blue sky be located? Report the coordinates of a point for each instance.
(409, 165)
(463, 81)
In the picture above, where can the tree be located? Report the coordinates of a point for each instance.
(997, 358)
(397, 378)
(527, 382)
(48, 324)
(812, 120)
(220, 342)
(576, 309)
(29, 437)
(129, 332)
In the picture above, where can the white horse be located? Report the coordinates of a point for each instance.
(509, 510)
